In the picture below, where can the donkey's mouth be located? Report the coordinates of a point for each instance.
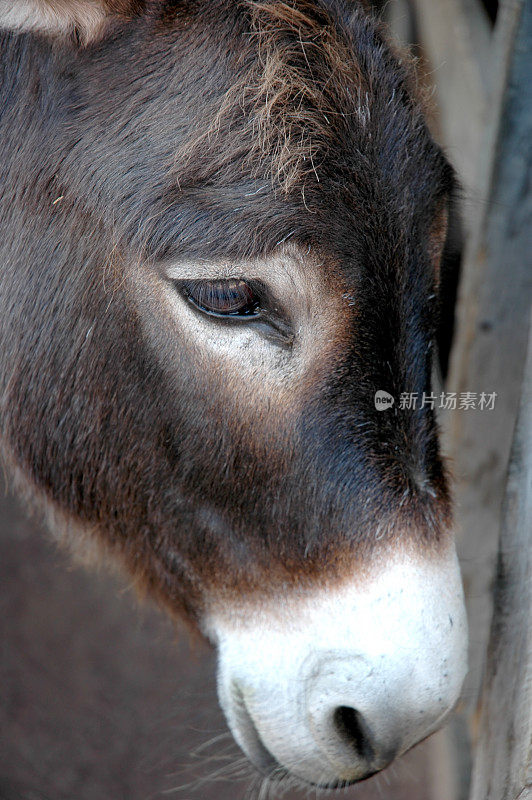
(248, 737)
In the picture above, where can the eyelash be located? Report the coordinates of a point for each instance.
(231, 298)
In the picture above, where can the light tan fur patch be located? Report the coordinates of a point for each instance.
(59, 17)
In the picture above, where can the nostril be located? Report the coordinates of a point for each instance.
(354, 731)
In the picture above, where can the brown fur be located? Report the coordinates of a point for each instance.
(219, 132)
(286, 121)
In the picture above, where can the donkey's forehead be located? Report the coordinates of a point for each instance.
(269, 121)
(307, 96)
(308, 128)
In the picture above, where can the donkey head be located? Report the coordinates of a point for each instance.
(221, 231)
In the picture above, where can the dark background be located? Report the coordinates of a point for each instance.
(101, 699)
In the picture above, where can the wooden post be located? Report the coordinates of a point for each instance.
(484, 92)
(503, 762)
(489, 355)
(455, 38)
(492, 321)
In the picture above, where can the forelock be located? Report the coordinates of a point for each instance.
(299, 85)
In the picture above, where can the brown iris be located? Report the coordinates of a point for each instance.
(222, 298)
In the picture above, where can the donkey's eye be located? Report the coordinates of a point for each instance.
(234, 300)
(222, 298)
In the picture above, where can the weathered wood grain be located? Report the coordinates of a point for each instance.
(503, 764)
(492, 319)
(483, 90)
(456, 38)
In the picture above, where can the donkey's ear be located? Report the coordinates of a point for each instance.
(86, 18)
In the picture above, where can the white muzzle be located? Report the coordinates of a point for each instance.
(331, 686)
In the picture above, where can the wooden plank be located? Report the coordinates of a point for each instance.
(483, 90)
(503, 764)
(492, 319)
(455, 38)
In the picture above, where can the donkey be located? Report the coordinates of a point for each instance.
(221, 231)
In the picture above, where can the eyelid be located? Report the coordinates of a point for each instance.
(234, 298)
(269, 319)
